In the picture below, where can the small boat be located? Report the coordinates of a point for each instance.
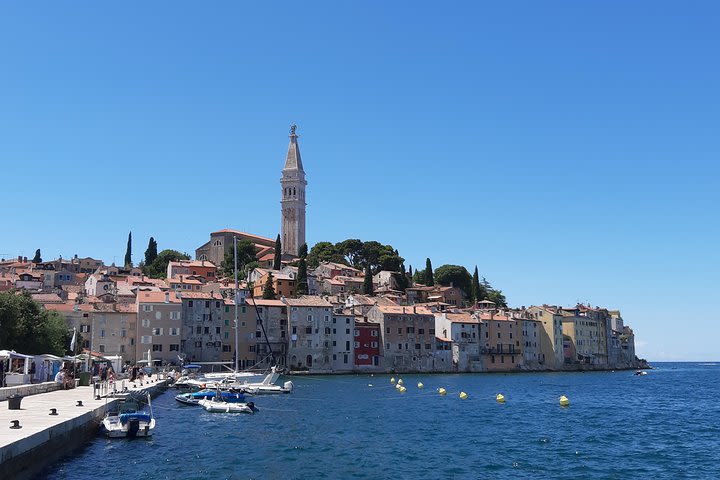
(640, 372)
(129, 423)
(267, 386)
(214, 405)
(194, 398)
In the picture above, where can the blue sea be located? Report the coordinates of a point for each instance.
(619, 426)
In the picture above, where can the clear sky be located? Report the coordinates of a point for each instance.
(569, 149)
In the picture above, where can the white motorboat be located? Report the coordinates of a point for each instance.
(129, 423)
(218, 406)
(267, 386)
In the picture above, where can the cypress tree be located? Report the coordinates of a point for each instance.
(302, 283)
(269, 290)
(128, 252)
(277, 261)
(368, 282)
(477, 290)
(37, 258)
(151, 252)
(429, 279)
(410, 276)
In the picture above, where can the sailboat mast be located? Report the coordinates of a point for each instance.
(237, 355)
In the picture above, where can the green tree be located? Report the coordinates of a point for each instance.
(497, 297)
(37, 258)
(368, 282)
(246, 256)
(269, 290)
(151, 253)
(429, 279)
(401, 279)
(302, 281)
(128, 252)
(478, 291)
(158, 268)
(324, 252)
(277, 260)
(27, 328)
(456, 275)
(352, 250)
(419, 277)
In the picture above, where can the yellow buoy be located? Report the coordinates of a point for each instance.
(400, 381)
(392, 380)
(420, 385)
(398, 386)
(442, 391)
(463, 395)
(500, 398)
(402, 389)
(564, 402)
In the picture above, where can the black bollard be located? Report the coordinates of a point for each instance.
(15, 424)
(53, 411)
(79, 403)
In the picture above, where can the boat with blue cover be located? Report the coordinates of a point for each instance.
(193, 398)
(129, 422)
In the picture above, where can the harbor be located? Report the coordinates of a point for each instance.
(52, 424)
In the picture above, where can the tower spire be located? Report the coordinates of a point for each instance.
(293, 160)
(293, 198)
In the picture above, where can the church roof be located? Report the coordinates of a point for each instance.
(293, 160)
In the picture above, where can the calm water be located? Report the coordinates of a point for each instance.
(663, 425)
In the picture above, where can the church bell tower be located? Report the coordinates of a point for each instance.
(293, 198)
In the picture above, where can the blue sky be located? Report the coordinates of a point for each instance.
(569, 149)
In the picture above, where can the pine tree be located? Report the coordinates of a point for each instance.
(478, 292)
(429, 279)
(277, 261)
(37, 258)
(151, 253)
(303, 251)
(269, 290)
(410, 276)
(128, 252)
(368, 282)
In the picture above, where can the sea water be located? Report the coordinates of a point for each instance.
(619, 426)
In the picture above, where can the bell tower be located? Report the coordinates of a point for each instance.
(293, 198)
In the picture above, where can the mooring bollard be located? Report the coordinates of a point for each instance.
(15, 424)
(79, 403)
(53, 411)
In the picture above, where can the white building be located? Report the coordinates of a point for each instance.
(464, 332)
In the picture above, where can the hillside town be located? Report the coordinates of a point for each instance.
(321, 316)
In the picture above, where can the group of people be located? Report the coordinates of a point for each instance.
(65, 378)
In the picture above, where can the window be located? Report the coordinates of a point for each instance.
(207, 304)
(428, 346)
(345, 358)
(373, 333)
(156, 347)
(417, 346)
(356, 344)
(374, 344)
(226, 348)
(146, 339)
(347, 345)
(217, 330)
(347, 331)
(84, 328)
(399, 346)
(190, 303)
(432, 331)
(147, 308)
(421, 331)
(102, 333)
(387, 330)
(356, 333)
(227, 323)
(174, 315)
(145, 323)
(258, 335)
(207, 330)
(294, 330)
(387, 346)
(157, 331)
(198, 344)
(198, 330)
(252, 348)
(347, 320)
(102, 348)
(400, 330)
(308, 330)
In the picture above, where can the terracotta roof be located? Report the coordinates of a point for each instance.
(156, 297)
(68, 307)
(490, 317)
(250, 235)
(308, 301)
(46, 298)
(193, 263)
(403, 310)
(264, 303)
(200, 295)
(461, 318)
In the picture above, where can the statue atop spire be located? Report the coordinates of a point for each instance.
(293, 127)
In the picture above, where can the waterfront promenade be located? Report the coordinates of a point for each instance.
(43, 438)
